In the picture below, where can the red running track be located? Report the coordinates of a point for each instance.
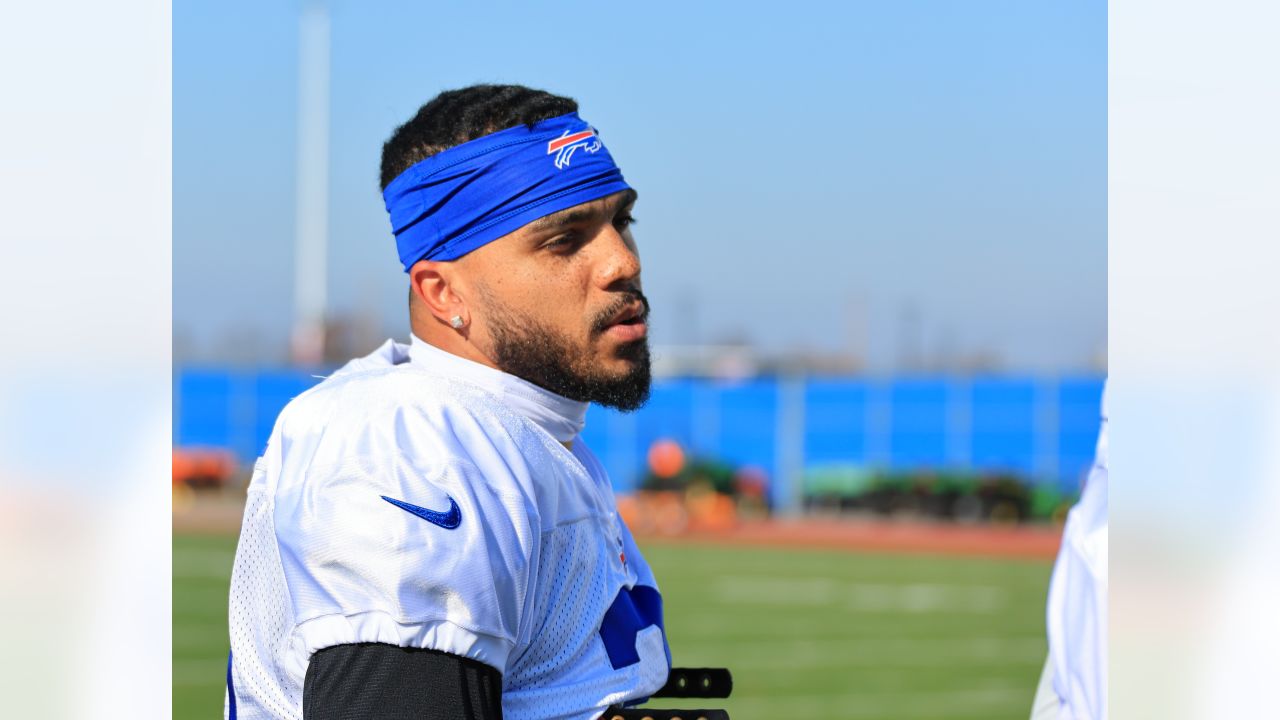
(919, 537)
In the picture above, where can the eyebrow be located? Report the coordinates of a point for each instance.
(580, 213)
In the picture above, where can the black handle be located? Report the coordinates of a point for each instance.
(651, 714)
(697, 683)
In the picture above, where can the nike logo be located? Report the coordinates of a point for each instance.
(447, 520)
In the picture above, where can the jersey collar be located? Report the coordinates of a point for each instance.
(561, 417)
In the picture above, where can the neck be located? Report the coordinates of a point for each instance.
(452, 342)
(559, 416)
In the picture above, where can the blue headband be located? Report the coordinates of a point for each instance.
(452, 203)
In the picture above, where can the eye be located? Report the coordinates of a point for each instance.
(562, 243)
(624, 221)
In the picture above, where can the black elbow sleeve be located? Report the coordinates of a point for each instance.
(373, 681)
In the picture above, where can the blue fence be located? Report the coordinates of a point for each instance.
(1043, 429)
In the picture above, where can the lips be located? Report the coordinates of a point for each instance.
(627, 324)
(627, 331)
(628, 315)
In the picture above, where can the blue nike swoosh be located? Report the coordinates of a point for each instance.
(447, 520)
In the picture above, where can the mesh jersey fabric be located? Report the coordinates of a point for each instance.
(522, 584)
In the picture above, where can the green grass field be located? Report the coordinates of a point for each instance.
(807, 633)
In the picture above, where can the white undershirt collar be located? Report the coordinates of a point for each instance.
(561, 417)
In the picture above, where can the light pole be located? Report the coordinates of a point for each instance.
(312, 183)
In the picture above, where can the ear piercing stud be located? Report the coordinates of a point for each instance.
(456, 322)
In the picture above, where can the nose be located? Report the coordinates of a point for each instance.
(620, 261)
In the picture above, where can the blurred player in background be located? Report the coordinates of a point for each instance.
(426, 535)
(1073, 685)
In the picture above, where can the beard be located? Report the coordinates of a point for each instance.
(548, 358)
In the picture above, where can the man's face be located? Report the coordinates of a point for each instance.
(560, 305)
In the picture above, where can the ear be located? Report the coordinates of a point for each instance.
(435, 285)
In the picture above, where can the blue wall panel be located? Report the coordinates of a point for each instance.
(918, 423)
(1002, 425)
(203, 400)
(1043, 429)
(836, 414)
(666, 416)
(748, 423)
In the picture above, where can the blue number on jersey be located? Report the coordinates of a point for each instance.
(632, 611)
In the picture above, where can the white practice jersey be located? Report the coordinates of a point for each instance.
(1077, 608)
(399, 504)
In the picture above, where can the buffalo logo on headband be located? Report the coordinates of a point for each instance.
(455, 201)
(564, 145)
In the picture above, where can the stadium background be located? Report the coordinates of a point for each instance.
(898, 436)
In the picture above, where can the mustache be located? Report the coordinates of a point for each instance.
(606, 316)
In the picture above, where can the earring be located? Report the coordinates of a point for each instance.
(456, 322)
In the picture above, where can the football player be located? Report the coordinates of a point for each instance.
(426, 535)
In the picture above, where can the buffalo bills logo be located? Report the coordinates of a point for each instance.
(564, 145)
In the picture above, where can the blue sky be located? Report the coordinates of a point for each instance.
(890, 177)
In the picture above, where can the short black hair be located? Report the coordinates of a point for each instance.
(457, 116)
